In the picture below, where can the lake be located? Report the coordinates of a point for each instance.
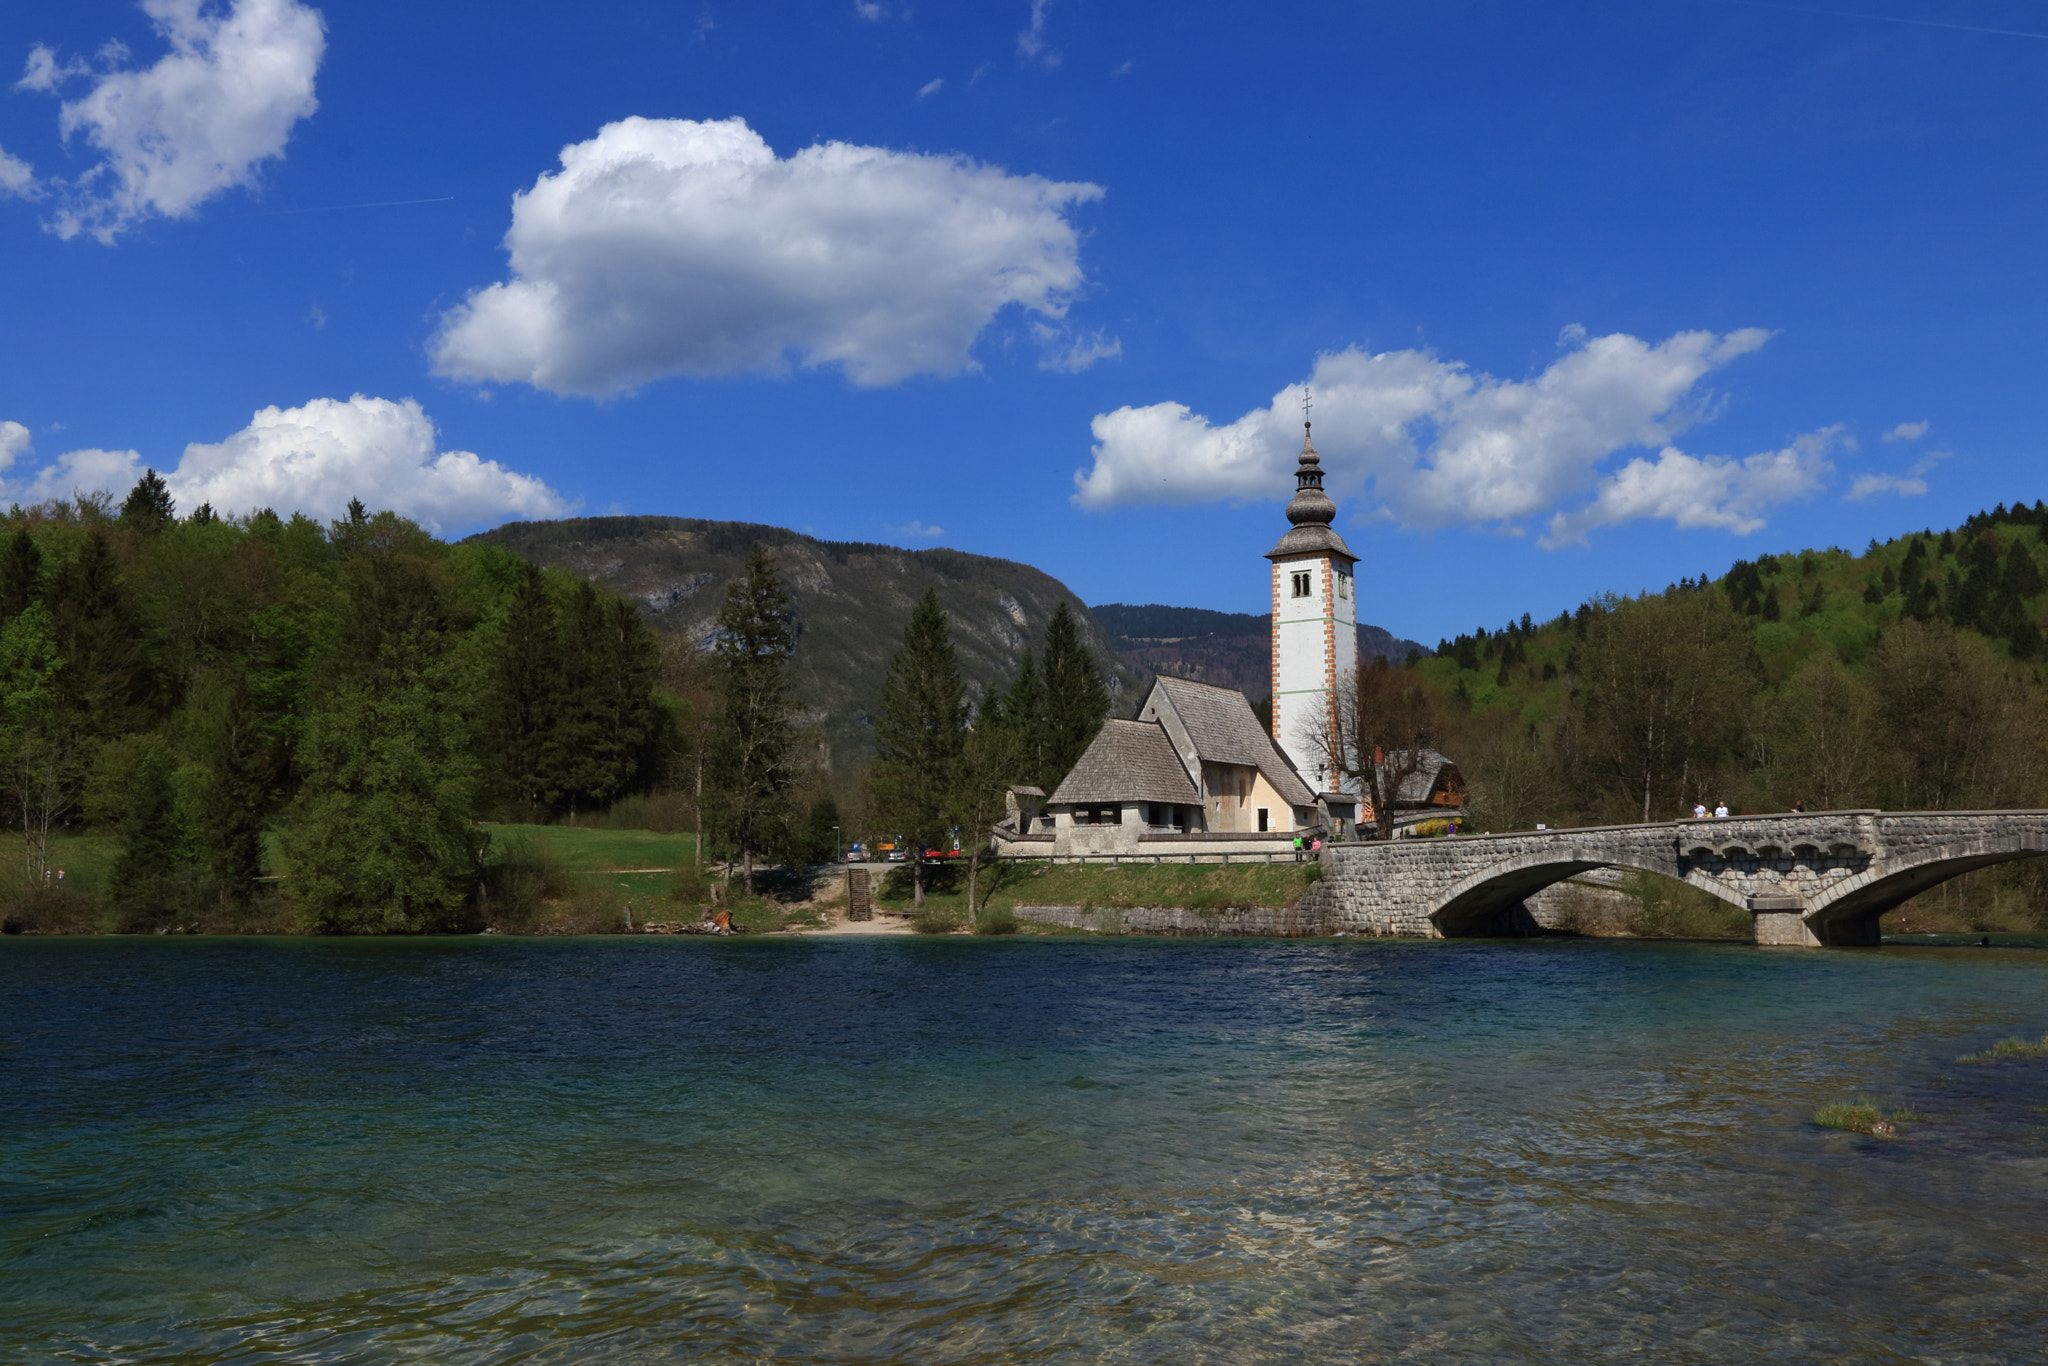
(659, 1149)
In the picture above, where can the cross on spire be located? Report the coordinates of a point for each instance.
(1307, 401)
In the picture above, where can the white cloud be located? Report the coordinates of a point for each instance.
(1908, 485)
(1867, 485)
(315, 458)
(875, 11)
(931, 88)
(1031, 44)
(14, 443)
(200, 121)
(17, 177)
(1908, 431)
(671, 247)
(1702, 491)
(1427, 440)
(918, 531)
(310, 459)
(1072, 354)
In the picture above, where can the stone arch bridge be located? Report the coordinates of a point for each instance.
(1814, 878)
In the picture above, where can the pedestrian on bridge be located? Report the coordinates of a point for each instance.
(1720, 809)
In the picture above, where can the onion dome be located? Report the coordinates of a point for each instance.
(1311, 510)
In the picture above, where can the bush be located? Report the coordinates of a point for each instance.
(517, 884)
(933, 920)
(1001, 920)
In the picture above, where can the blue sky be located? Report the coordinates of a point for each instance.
(1592, 295)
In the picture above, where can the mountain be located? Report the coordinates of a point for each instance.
(1229, 649)
(851, 599)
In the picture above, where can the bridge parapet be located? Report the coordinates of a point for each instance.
(1808, 878)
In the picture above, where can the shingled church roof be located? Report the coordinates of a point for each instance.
(1224, 730)
(1129, 761)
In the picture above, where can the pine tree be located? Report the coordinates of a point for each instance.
(21, 575)
(1024, 713)
(919, 728)
(151, 881)
(230, 748)
(148, 507)
(520, 716)
(754, 745)
(1076, 703)
(379, 837)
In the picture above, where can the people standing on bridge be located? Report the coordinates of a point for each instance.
(1720, 809)
(1699, 811)
(1799, 807)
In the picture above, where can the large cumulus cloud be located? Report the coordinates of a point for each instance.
(673, 247)
(1430, 442)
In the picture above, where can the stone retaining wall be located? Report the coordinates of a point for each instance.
(1277, 922)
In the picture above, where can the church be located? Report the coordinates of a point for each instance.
(1194, 775)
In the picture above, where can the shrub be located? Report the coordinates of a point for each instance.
(520, 881)
(933, 920)
(1001, 920)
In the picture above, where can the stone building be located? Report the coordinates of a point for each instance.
(1193, 775)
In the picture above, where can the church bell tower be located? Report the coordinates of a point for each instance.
(1315, 623)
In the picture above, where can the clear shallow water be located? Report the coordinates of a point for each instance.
(653, 1150)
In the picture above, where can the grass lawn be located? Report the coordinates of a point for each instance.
(584, 851)
(1200, 886)
(85, 859)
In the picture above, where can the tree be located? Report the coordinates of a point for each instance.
(1024, 713)
(148, 507)
(150, 884)
(525, 677)
(822, 828)
(990, 755)
(1375, 735)
(231, 766)
(1938, 704)
(1509, 770)
(1820, 727)
(1076, 703)
(1666, 685)
(43, 759)
(919, 729)
(754, 746)
(21, 575)
(379, 837)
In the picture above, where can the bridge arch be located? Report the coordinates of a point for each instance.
(1488, 903)
(1850, 913)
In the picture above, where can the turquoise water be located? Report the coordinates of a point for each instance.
(656, 1150)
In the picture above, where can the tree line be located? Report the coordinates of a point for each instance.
(1908, 677)
(359, 689)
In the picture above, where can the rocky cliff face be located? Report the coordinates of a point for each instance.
(851, 601)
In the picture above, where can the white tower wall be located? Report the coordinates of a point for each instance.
(1315, 643)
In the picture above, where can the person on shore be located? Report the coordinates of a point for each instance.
(1720, 810)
